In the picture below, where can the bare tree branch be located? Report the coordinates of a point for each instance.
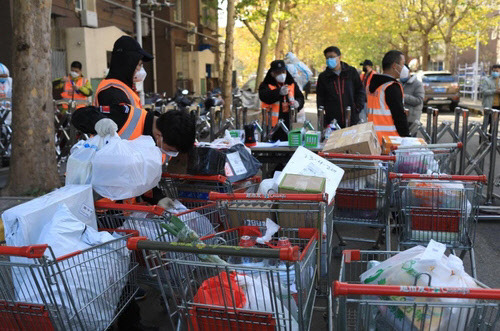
(252, 31)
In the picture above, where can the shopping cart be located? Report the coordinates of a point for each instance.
(84, 290)
(290, 211)
(149, 220)
(429, 159)
(363, 196)
(439, 207)
(358, 306)
(252, 288)
(194, 190)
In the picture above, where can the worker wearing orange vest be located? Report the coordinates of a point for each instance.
(117, 107)
(367, 74)
(385, 98)
(75, 87)
(277, 93)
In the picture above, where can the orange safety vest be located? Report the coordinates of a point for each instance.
(275, 107)
(368, 79)
(134, 126)
(379, 113)
(70, 94)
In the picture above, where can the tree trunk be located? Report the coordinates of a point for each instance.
(425, 52)
(227, 75)
(448, 65)
(33, 167)
(264, 43)
(280, 41)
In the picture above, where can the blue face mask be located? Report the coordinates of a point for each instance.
(3, 80)
(495, 74)
(404, 80)
(331, 62)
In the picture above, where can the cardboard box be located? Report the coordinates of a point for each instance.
(312, 139)
(304, 162)
(357, 139)
(241, 213)
(296, 137)
(389, 143)
(292, 183)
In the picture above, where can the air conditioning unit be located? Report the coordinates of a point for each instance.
(89, 18)
(191, 37)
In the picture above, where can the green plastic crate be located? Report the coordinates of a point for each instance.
(312, 139)
(296, 138)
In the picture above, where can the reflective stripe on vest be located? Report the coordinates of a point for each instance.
(379, 113)
(134, 126)
(275, 107)
(134, 99)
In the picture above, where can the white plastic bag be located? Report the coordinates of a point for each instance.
(403, 268)
(124, 169)
(298, 69)
(24, 222)
(94, 280)
(79, 166)
(260, 297)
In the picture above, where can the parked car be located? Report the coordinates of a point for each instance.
(441, 88)
(314, 83)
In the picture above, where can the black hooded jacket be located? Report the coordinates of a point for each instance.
(122, 68)
(269, 96)
(394, 99)
(336, 92)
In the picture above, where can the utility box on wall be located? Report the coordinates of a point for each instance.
(89, 18)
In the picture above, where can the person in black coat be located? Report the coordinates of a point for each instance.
(276, 88)
(339, 87)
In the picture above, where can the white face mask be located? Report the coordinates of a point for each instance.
(171, 154)
(140, 75)
(281, 78)
(74, 74)
(404, 73)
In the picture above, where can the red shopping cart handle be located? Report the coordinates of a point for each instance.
(357, 156)
(274, 197)
(33, 251)
(210, 178)
(344, 289)
(481, 178)
(154, 209)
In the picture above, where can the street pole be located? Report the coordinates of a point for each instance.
(476, 67)
(153, 37)
(138, 32)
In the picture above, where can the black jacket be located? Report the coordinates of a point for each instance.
(122, 67)
(269, 96)
(394, 99)
(84, 119)
(336, 92)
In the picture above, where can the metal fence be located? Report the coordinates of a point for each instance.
(469, 79)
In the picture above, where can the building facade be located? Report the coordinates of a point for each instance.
(183, 39)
